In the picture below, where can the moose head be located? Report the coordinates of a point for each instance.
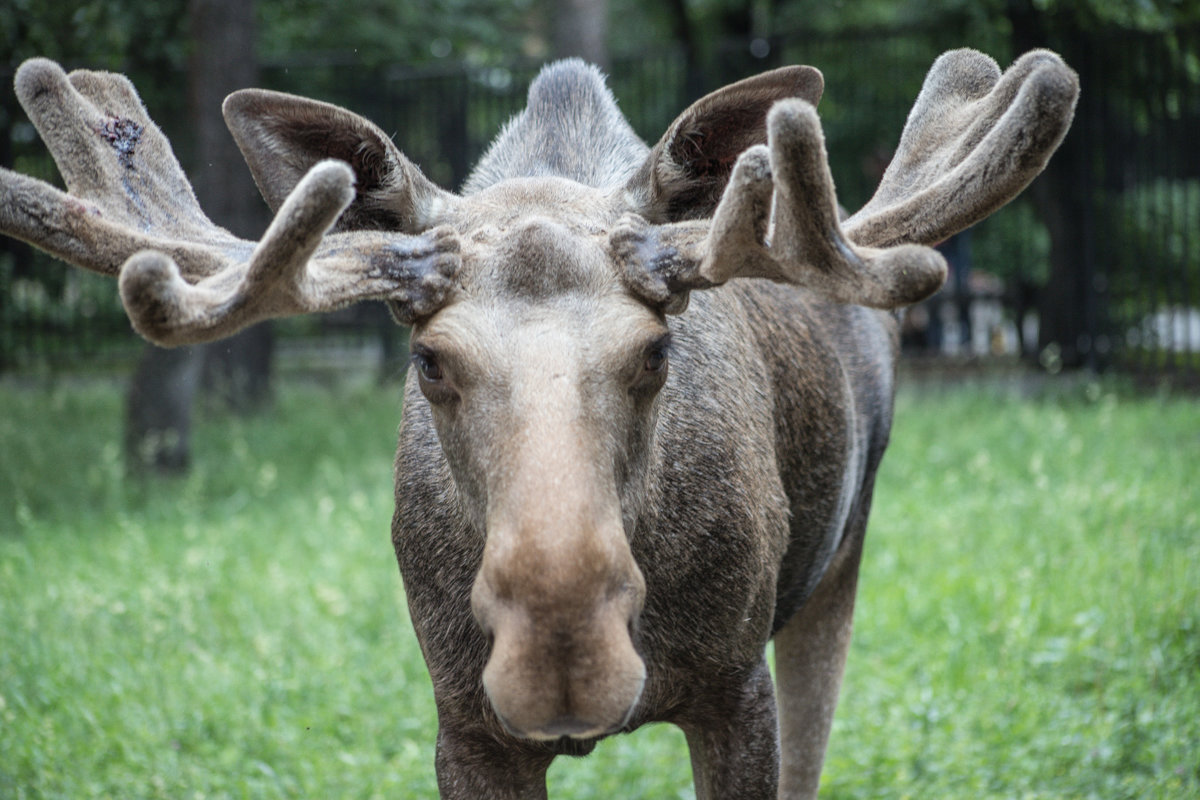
(608, 497)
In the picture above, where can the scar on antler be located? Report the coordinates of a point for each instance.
(124, 135)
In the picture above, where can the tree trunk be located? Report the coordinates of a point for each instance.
(163, 389)
(581, 29)
(685, 36)
(158, 410)
(237, 370)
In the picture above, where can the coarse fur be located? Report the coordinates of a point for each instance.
(651, 388)
(567, 103)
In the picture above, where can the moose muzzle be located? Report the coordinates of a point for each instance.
(560, 608)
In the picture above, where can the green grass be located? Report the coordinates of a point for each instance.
(1028, 621)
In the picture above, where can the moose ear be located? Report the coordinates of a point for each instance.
(686, 172)
(282, 136)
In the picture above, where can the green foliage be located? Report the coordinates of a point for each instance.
(121, 35)
(637, 25)
(58, 315)
(1145, 15)
(1027, 623)
(224, 635)
(1155, 15)
(1013, 244)
(1154, 230)
(1028, 619)
(381, 32)
(76, 295)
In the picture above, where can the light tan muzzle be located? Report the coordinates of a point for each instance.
(560, 619)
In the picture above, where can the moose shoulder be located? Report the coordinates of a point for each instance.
(623, 467)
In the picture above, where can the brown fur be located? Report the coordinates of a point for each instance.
(623, 467)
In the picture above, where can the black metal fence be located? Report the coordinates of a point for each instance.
(1098, 264)
(1137, 171)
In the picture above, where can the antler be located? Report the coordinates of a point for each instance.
(131, 212)
(973, 140)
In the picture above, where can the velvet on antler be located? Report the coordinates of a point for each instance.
(356, 220)
(974, 139)
(130, 211)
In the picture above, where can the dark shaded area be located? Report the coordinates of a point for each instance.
(158, 410)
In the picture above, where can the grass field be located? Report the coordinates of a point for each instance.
(1028, 622)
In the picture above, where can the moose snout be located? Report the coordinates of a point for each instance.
(563, 660)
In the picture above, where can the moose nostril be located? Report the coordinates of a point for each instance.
(565, 726)
(568, 726)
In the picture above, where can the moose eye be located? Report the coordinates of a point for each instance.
(656, 358)
(654, 366)
(656, 354)
(427, 366)
(436, 385)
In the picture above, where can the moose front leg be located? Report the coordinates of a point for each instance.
(733, 741)
(472, 764)
(810, 657)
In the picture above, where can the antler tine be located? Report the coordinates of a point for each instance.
(127, 191)
(807, 245)
(974, 139)
(107, 148)
(183, 279)
(295, 269)
(777, 219)
(80, 233)
(168, 310)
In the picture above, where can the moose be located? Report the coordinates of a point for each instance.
(651, 386)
